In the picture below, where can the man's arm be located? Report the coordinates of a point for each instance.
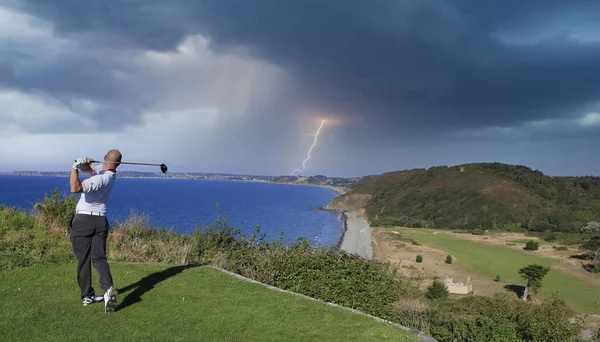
(76, 185)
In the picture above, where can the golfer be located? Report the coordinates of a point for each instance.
(89, 227)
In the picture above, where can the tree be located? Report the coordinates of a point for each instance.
(533, 274)
(404, 221)
(531, 246)
(592, 249)
(449, 259)
(437, 290)
(591, 228)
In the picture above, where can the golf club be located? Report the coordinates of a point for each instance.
(163, 167)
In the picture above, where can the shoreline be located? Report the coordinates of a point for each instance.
(358, 236)
(337, 189)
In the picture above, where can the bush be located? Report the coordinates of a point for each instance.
(478, 231)
(500, 318)
(550, 237)
(449, 259)
(57, 211)
(24, 241)
(531, 246)
(419, 258)
(404, 221)
(437, 290)
(497, 277)
(591, 228)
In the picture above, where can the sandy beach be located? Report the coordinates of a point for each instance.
(357, 238)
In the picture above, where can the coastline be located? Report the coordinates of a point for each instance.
(357, 235)
(338, 189)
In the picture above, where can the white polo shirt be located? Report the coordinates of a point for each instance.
(97, 191)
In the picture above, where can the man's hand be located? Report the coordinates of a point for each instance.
(79, 162)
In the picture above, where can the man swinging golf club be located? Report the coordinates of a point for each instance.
(89, 227)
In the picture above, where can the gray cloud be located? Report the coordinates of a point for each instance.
(399, 70)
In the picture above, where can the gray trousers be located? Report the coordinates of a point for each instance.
(88, 237)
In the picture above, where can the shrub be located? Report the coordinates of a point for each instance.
(404, 221)
(419, 258)
(413, 311)
(497, 277)
(591, 228)
(550, 237)
(531, 246)
(25, 242)
(437, 290)
(500, 318)
(57, 211)
(449, 259)
(478, 231)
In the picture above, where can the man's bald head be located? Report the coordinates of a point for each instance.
(113, 157)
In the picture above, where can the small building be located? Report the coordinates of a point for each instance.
(458, 288)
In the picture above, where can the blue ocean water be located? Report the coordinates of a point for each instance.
(183, 204)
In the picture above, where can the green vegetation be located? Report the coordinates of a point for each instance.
(449, 259)
(480, 196)
(591, 228)
(497, 277)
(162, 303)
(488, 260)
(525, 241)
(534, 275)
(437, 290)
(531, 246)
(592, 249)
(323, 273)
(419, 258)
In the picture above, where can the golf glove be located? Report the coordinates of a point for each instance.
(79, 162)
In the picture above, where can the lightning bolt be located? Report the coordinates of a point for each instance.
(310, 149)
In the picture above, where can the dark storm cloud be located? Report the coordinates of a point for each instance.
(423, 65)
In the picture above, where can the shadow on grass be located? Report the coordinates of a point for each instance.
(591, 268)
(147, 283)
(580, 257)
(517, 289)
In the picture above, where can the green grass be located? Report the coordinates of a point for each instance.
(487, 260)
(158, 303)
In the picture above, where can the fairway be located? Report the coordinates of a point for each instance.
(487, 260)
(161, 303)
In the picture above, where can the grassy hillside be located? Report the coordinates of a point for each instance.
(485, 195)
(488, 260)
(162, 303)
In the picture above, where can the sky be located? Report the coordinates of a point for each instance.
(239, 86)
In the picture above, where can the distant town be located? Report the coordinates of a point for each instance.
(299, 180)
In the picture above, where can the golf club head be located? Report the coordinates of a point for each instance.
(163, 168)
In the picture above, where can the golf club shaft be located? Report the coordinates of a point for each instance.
(129, 163)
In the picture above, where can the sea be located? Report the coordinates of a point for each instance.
(184, 204)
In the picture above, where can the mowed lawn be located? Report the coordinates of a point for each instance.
(161, 303)
(488, 260)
